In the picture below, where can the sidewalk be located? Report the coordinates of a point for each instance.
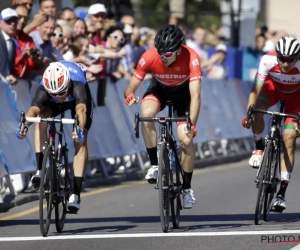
(115, 179)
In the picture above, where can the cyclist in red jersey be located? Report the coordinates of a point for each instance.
(177, 76)
(278, 77)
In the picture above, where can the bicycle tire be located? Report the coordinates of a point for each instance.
(64, 188)
(272, 187)
(176, 202)
(163, 187)
(46, 191)
(262, 187)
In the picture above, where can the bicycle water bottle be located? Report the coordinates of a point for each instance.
(172, 162)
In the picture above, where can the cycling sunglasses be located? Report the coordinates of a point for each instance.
(61, 94)
(286, 59)
(167, 54)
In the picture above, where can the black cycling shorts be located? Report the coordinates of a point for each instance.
(179, 95)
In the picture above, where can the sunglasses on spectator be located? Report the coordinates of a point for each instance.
(119, 38)
(167, 54)
(26, 18)
(61, 94)
(286, 59)
(58, 35)
(12, 20)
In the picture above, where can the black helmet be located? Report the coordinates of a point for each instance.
(168, 39)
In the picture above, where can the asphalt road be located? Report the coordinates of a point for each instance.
(127, 217)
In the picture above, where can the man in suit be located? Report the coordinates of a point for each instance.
(8, 24)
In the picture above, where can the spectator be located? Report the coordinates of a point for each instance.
(42, 36)
(79, 27)
(47, 7)
(38, 19)
(8, 25)
(67, 14)
(177, 9)
(27, 3)
(216, 68)
(27, 59)
(56, 40)
(197, 43)
(251, 58)
(123, 8)
(67, 41)
(125, 64)
(126, 19)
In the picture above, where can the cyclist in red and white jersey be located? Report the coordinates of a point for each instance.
(177, 75)
(278, 77)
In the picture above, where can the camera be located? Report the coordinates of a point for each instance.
(34, 52)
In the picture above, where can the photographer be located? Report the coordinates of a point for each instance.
(28, 58)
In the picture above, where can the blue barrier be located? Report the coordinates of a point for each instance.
(18, 155)
(223, 104)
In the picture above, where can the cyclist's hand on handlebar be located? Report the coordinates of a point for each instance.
(247, 124)
(192, 133)
(21, 135)
(79, 137)
(131, 99)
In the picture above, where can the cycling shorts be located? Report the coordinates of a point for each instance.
(180, 96)
(272, 96)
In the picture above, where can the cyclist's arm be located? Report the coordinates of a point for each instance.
(256, 88)
(40, 97)
(262, 72)
(195, 91)
(80, 95)
(132, 87)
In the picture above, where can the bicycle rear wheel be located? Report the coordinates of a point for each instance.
(163, 187)
(64, 190)
(176, 201)
(262, 186)
(46, 191)
(274, 179)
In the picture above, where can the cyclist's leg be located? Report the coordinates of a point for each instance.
(81, 155)
(40, 133)
(181, 106)
(266, 99)
(289, 142)
(152, 103)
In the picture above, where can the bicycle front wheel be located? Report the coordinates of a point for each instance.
(46, 191)
(274, 158)
(176, 201)
(263, 185)
(163, 187)
(64, 189)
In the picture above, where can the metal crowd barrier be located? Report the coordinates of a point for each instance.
(223, 104)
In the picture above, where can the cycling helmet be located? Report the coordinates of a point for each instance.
(168, 39)
(288, 47)
(56, 78)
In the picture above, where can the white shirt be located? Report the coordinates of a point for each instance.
(8, 41)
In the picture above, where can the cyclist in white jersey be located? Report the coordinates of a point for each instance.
(278, 77)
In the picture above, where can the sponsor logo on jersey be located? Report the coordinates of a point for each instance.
(170, 76)
(142, 62)
(293, 80)
(195, 62)
(177, 68)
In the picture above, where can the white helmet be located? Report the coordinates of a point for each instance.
(56, 78)
(288, 47)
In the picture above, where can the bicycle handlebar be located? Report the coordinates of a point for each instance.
(252, 110)
(50, 120)
(161, 120)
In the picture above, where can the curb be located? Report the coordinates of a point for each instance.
(117, 179)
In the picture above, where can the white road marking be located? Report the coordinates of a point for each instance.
(296, 247)
(148, 235)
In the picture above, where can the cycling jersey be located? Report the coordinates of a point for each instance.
(186, 67)
(284, 82)
(79, 92)
(278, 85)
